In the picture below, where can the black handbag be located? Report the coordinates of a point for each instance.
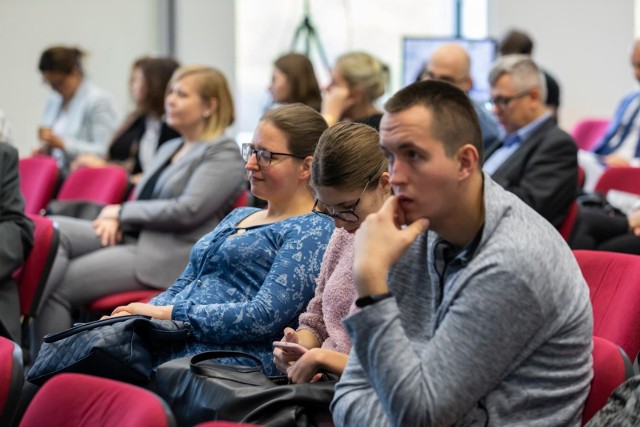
(121, 348)
(198, 389)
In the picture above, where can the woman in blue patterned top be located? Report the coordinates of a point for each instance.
(255, 272)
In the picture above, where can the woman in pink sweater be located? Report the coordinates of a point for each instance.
(350, 178)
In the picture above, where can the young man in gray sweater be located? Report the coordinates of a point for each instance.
(474, 311)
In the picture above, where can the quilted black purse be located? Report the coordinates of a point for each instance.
(199, 389)
(121, 348)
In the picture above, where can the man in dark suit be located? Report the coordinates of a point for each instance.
(536, 161)
(16, 239)
(515, 41)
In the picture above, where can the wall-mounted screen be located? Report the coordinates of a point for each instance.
(417, 50)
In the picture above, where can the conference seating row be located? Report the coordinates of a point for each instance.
(39, 179)
(38, 183)
(614, 287)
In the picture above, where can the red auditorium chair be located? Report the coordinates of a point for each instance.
(566, 228)
(611, 367)
(38, 180)
(614, 288)
(76, 400)
(588, 132)
(105, 185)
(33, 274)
(619, 178)
(11, 379)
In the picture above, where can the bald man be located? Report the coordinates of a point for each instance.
(451, 63)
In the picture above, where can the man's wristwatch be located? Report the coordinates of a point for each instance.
(371, 299)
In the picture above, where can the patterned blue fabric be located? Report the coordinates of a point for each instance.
(243, 286)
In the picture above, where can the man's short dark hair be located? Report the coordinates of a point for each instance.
(454, 118)
(516, 42)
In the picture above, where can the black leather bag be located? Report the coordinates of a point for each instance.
(121, 348)
(199, 389)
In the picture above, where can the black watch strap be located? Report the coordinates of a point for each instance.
(371, 299)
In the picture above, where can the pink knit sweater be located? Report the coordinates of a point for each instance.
(335, 295)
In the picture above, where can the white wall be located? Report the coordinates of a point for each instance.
(113, 33)
(205, 34)
(583, 43)
(265, 30)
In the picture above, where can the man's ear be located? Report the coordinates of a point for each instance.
(535, 95)
(468, 159)
(385, 183)
(467, 84)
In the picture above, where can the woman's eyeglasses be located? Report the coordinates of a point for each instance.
(263, 156)
(347, 215)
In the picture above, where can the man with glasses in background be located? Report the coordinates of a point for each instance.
(536, 161)
(451, 63)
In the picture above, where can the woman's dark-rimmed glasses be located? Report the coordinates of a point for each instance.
(347, 215)
(263, 156)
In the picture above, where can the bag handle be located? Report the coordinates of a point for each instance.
(81, 327)
(217, 354)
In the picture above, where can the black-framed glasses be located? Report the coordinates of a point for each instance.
(504, 101)
(263, 156)
(347, 215)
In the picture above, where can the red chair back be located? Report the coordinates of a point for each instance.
(614, 287)
(104, 185)
(11, 379)
(109, 302)
(34, 273)
(611, 367)
(38, 180)
(619, 178)
(582, 176)
(242, 200)
(588, 132)
(74, 400)
(566, 228)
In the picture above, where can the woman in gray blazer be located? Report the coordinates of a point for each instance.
(145, 243)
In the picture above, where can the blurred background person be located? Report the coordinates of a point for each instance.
(79, 117)
(516, 41)
(144, 130)
(16, 239)
(358, 79)
(294, 80)
(144, 243)
(451, 63)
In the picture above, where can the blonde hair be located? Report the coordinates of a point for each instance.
(211, 84)
(362, 70)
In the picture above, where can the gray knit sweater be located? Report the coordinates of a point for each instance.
(506, 341)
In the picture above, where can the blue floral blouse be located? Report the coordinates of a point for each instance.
(243, 286)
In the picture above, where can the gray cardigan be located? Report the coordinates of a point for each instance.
(190, 198)
(505, 341)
